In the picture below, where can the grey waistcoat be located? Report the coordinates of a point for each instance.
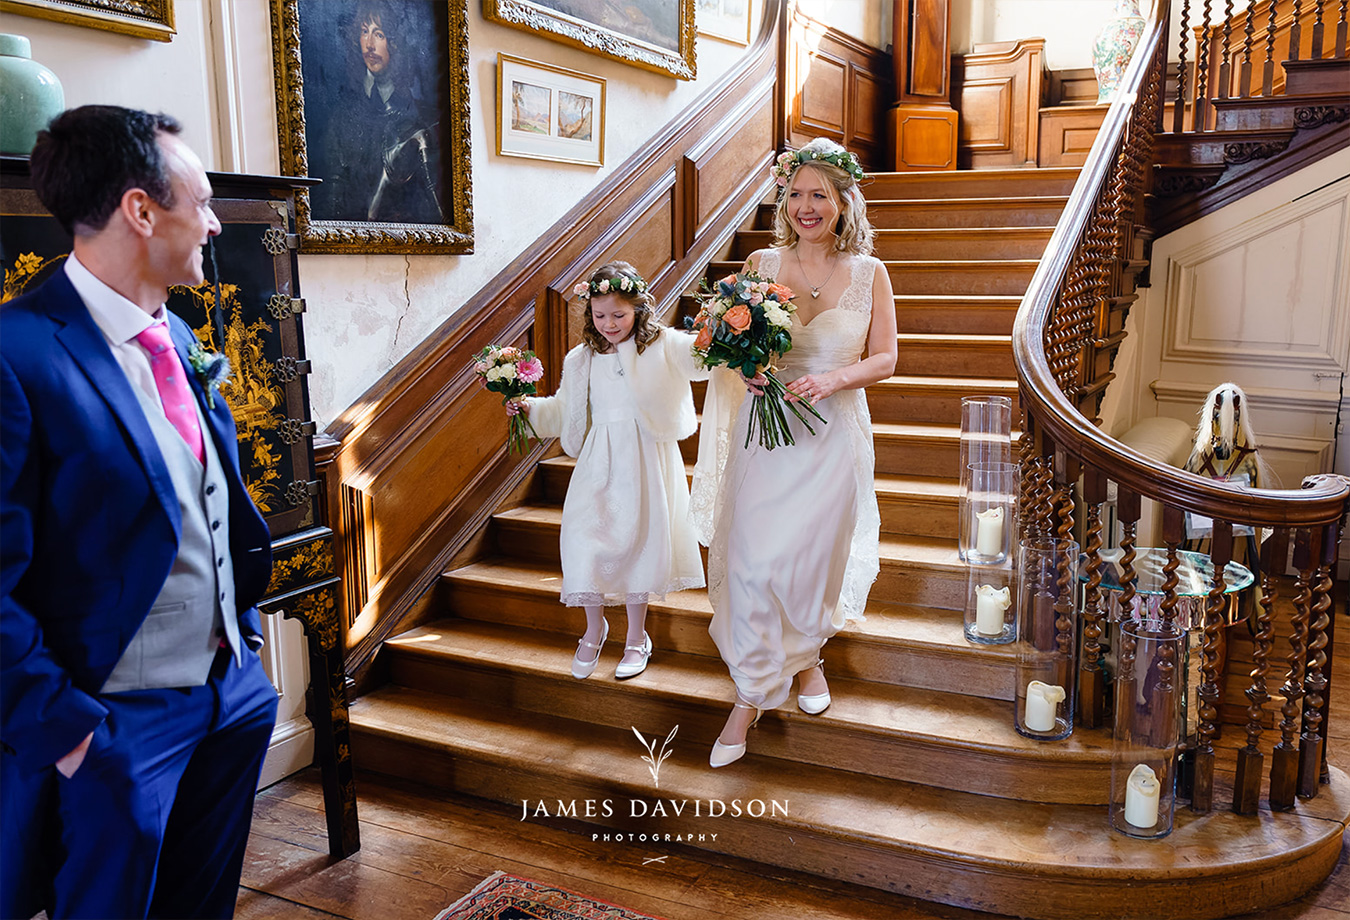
(177, 643)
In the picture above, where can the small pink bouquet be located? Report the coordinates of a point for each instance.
(512, 372)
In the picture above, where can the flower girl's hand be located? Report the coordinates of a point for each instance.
(518, 406)
(812, 388)
(755, 384)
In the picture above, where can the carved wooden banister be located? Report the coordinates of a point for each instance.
(1063, 339)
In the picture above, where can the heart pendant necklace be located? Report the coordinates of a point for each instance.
(815, 288)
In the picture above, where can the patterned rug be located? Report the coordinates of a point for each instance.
(506, 897)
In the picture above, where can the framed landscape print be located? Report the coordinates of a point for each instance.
(728, 20)
(655, 34)
(372, 98)
(549, 113)
(138, 18)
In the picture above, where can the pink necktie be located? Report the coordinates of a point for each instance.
(174, 394)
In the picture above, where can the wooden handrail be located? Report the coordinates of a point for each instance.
(1052, 412)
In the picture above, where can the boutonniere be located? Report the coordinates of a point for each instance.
(212, 369)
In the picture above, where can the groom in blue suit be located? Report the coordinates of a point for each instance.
(134, 711)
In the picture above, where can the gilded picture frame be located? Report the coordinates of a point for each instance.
(549, 113)
(373, 99)
(656, 35)
(151, 19)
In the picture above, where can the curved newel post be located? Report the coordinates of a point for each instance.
(1202, 784)
(1091, 678)
(1247, 785)
(1284, 764)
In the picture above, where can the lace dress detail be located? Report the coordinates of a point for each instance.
(625, 528)
(794, 545)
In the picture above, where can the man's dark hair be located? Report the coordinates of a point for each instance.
(89, 157)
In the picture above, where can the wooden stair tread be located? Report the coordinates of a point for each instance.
(936, 488)
(1023, 842)
(967, 723)
(902, 624)
(898, 621)
(927, 382)
(936, 338)
(987, 201)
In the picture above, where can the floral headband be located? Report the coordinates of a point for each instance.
(789, 160)
(620, 285)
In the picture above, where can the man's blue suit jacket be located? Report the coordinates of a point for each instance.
(89, 528)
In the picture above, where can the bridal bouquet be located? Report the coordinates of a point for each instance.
(512, 372)
(745, 324)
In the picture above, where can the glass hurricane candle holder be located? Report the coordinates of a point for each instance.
(1047, 650)
(986, 437)
(989, 508)
(990, 612)
(1148, 693)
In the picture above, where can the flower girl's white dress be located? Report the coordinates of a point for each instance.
(795, 536)
(626, 532)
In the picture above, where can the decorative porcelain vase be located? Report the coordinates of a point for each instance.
(1114, 45)
(30, 96)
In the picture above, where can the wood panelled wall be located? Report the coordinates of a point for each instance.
(422, 459)
(843, 90)
(1000, 89)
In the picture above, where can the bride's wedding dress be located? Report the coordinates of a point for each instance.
(795, 531)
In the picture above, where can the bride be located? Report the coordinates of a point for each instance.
(795, 531)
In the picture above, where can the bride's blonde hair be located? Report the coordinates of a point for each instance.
(855, 233)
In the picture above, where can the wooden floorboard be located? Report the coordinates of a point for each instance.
(421, 852)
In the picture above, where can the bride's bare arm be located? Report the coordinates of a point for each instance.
(881, 350)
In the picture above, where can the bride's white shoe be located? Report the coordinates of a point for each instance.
(723, 754)
(816, 703)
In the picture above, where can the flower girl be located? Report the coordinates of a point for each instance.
(622, 406)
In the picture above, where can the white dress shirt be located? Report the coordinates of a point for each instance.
(120, 321)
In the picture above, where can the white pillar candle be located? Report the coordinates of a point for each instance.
(989, 532)
(990, 605)
(1042, 701)
(1142, 790)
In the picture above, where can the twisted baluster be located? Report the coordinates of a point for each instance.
(1295, 32)
(1026, 462)
(1091, 691)
(1312, 745)
(1041, 499)
(1221, 551)
(1065, 590)
(1245, 73)
(1203, 53)
(1225, 65)
(1247, 786)
(1317, 34)
(1179, 106)
(1284, 761)
(1340, 29)
(1268, 71)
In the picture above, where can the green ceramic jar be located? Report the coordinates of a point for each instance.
(30, 96)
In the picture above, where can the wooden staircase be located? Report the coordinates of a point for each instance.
(914, 780)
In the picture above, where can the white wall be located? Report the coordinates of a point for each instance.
(1068, 26)
(365, 312)
(866, 20)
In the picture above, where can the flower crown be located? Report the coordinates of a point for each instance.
(623, 284)
(789, 160)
